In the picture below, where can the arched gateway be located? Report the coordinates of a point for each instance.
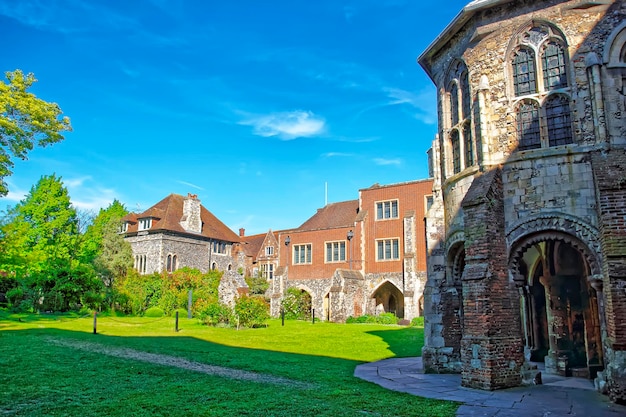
(558, 302)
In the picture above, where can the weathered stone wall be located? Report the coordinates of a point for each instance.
(192, 253)
(550, 189)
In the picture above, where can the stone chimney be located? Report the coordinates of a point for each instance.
(190, 221)
(242, 232)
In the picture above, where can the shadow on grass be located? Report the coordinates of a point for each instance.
(55, 377)
(403, 343)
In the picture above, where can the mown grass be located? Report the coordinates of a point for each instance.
(40, 378)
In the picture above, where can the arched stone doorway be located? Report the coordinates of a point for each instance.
(389, 299)
(560, 316)
(452, 298)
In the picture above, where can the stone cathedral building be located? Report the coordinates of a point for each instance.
(527, 231)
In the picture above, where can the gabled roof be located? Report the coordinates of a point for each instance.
(167, 214)
(332, 216)
(252, 244)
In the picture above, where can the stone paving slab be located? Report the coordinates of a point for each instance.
(560, 397)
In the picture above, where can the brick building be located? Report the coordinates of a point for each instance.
(527, 231)
(357, 257)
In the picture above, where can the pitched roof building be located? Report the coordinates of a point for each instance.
(176, 232)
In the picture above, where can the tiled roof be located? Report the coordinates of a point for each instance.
(167, 213)
(251, 245)
(333, 215)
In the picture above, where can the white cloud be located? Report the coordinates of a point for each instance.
(287, 125)
(383, 161)
(335, 154)
(422, 102)
(190, 185)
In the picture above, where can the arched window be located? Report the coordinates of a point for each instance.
(456, 150)
(168, 263)
(553, 59)
(454, 104)
(460, 138)
(528, 133)
(469, 144)
(558, 120)
(543, 118)
(524, 74)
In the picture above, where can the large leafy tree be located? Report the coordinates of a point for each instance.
(25, 120)
(41, 231)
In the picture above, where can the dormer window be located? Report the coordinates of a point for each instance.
(145, 223)
(123, 227)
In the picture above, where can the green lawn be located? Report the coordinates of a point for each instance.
(56, 366)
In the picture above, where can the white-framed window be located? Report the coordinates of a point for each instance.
(267, 271)
(387, 249)
(269, 250)
(302, 254)
(123, 227)
(336, 251)
(387, 210)
(145, 223)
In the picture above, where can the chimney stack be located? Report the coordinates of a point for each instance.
(242, 232)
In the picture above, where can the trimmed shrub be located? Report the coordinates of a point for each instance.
(154, 312)
(297, 304)
(251, 311)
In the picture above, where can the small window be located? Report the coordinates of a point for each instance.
(387, 249)
(123, 227)
(269, 250)
(267, 271)
(336, 251)
(429, 201)
(302, 254)
(387, 210)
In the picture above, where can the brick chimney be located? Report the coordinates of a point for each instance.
(190, 221)
(242, 232)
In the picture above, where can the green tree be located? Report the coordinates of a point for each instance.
(25, 120)
(41, 231)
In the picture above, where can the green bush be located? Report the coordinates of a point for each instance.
(417, 322)
(297, 304)
(386, 318)
(15, 296)
(257, 285)
(251, 311)
(214, 314)
(154, 312)
(383, 318)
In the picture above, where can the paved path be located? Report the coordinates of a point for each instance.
(557, 397)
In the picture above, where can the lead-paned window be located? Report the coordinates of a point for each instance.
(302, 254)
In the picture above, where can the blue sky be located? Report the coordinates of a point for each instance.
(252, 105)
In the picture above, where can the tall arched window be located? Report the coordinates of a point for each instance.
(524, 73)
(456, 151)
(459, 136)
(469, 144)
(543, 113)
